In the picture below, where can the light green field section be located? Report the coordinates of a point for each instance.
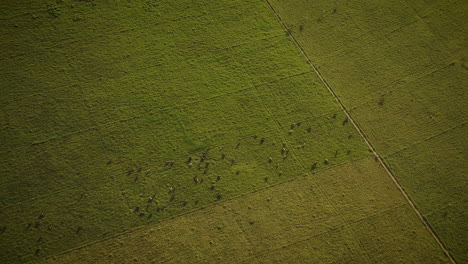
(118, 115)
(399, 67)
(351, 213)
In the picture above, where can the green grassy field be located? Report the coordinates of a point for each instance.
(87, 146)
(400, 69)
(124, 122)
(351, 213)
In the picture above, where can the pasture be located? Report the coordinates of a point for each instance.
(188, 131)
(399, 67)
(351, 213)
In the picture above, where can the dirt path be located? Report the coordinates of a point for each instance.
(354, 123)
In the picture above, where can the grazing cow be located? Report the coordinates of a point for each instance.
(345, 121)
(314, 166)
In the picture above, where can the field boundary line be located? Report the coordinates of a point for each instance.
(400, 84)
(441, 133)
(142, 227)
(81, 84)
(333, 229)
(355, 124)
(428, 28)
(301, 163)
(144, 113)
(242, 139)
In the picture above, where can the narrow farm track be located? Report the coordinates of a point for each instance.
(354, 123)
(278, 126)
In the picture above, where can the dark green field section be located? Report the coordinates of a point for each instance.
(117, 115)
(400, 69)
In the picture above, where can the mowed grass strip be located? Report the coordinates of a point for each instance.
(399, 67)
(349, 214)
(147, 114)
